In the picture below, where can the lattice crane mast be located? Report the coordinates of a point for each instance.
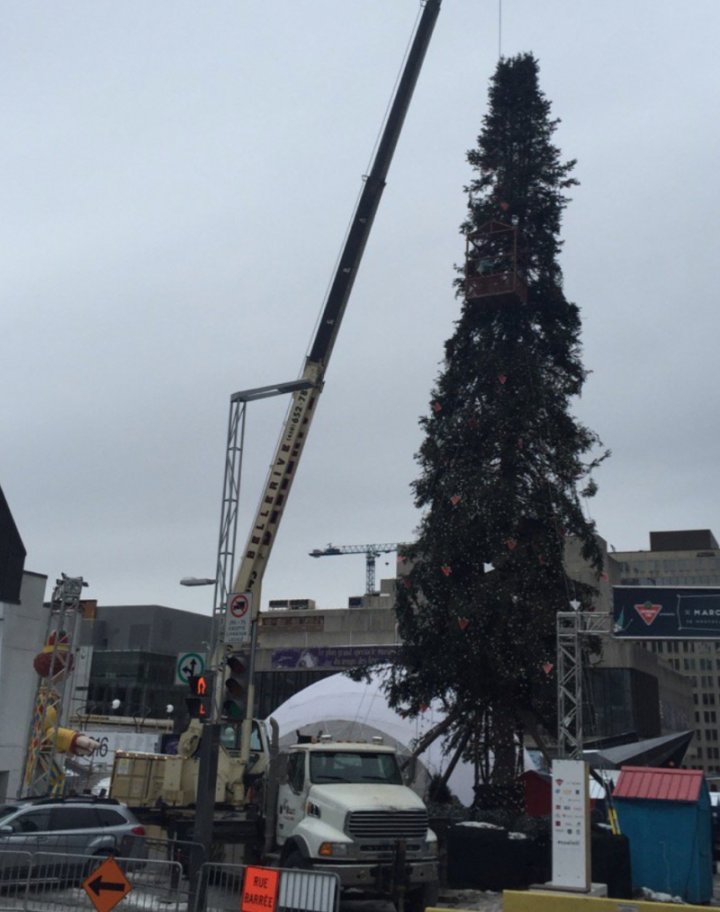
(371, 552)
(48, 740)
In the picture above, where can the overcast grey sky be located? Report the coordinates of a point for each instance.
(177, 177)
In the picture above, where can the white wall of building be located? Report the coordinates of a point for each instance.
(22, 632)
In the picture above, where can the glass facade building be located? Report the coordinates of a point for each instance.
(684, 558)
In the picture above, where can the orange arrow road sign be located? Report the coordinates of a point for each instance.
(107, 885)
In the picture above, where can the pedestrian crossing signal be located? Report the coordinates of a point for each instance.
(198, 705)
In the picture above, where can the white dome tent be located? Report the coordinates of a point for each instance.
(356, 710)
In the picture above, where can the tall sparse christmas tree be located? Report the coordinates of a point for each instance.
(504, 461)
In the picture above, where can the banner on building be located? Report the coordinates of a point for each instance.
(666, 612)
(336, 657)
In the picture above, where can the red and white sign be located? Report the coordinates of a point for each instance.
(260, 887)
(570, 826)
(238, 605)
(237, 619)
(648, 612)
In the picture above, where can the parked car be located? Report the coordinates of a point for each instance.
(57, 831)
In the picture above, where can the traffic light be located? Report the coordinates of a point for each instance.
(237, 684)
(199, 704)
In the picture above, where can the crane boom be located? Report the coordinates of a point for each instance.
(302, 405)
(247, 583)
(332, 550)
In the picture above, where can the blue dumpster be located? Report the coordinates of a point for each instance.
(665, 813)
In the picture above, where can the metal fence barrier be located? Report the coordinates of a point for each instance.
(189, 855)
(14, 867)
(309, 891)
(53, 882)
(219, 887)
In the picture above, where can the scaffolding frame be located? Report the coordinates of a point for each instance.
(227, 538)
(572, 627)
(44, 772)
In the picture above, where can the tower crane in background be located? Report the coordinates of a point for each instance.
(371, 552)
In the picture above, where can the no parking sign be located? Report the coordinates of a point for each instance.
(237, 618)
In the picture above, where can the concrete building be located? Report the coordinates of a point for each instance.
(629, 693)
(129, 653)
(23, 624)
(633, 695)
(683, 558)
(298, 645)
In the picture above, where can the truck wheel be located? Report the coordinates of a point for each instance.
(297, 860)
(417, 900)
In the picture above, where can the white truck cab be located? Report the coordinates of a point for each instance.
(343, 807)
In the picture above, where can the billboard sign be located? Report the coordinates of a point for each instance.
(666, 612)
(335, 657)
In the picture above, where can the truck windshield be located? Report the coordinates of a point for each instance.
(347, 766)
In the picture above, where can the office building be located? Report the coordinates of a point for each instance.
(23, 624)
(127, 657)
(683, 558)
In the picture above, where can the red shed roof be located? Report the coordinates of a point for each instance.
(659, 784)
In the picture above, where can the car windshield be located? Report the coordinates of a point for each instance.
(6, 810)
(350, 766)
